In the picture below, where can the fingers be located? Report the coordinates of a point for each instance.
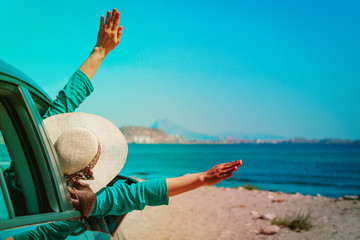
(101, 21)
(116, 21)
(111, 22)
(228, 170)
(107, 18)
(237, 163)
(119, 32)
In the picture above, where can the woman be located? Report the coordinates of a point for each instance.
(123, 198)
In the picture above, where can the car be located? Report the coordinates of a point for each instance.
(40, 188)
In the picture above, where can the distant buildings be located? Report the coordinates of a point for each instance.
(142, 139)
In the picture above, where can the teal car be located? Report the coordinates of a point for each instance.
(41, 190)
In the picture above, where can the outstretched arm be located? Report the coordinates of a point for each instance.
(108, 38)
(124, 198)
(190, 182)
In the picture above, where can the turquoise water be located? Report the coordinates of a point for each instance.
(4, 157)
(331, 170)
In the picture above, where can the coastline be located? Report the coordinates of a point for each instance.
(235, 213)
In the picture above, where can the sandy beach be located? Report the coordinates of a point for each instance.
(235, 213)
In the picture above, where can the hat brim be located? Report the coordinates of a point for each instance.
(113, 143)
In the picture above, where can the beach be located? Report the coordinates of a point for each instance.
(236, 213)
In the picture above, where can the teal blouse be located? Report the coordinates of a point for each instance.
(115, 200)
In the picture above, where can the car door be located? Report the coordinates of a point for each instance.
(34, 197)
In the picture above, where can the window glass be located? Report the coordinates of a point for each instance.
(4, 215)
(4, 164)
(17, 166)
(40, 104)
(4, 155)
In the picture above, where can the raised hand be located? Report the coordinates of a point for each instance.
(109, 32)
(108, 38)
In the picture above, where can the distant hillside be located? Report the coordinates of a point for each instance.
(135, 134)
(143, 134)
(166, 131)
(172, 128)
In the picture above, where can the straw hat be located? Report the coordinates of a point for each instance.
(90, 148)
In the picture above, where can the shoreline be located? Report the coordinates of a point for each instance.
(235, 213)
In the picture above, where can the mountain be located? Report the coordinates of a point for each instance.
(172, 128)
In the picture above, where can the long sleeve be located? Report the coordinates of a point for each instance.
(72, 95)
(56, 230)
(125, 198)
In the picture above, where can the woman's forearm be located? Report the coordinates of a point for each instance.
(92, 63)
(183, 184)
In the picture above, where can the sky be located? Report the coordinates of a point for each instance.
(287, 68)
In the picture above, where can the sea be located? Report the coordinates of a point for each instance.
(330, 170)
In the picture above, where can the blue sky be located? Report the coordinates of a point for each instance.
(277, 67)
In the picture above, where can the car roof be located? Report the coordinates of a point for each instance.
(20, 78)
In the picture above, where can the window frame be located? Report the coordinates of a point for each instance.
(43, 157)
(49, 164)
(12, 138)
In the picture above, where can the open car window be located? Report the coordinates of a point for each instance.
(5, 161)
(28, 185)
(20, 189)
